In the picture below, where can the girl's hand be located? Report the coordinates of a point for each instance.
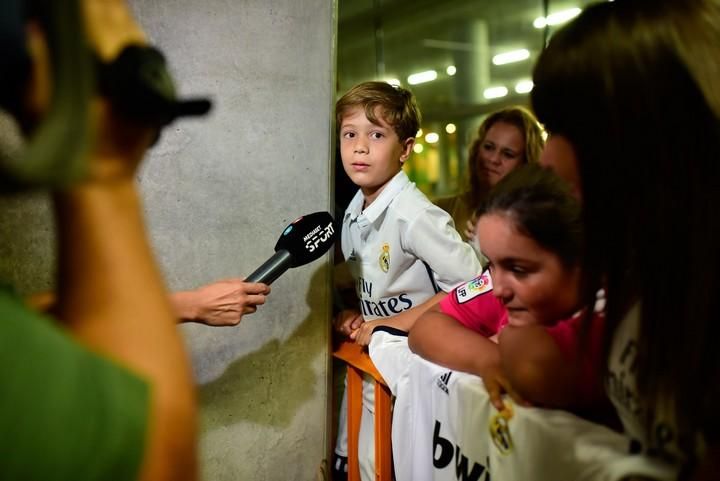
(470, 229)
(496, 383)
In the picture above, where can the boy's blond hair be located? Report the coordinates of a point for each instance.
(397, 106)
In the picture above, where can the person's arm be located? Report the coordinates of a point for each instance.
(403, 321)
(537, 368)
(112, 298)
(221, 303)
(441, 339)
(110, 292)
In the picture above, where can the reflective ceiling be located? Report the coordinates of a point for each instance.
(392, 39)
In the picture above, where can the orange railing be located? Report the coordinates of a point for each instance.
(358, 362)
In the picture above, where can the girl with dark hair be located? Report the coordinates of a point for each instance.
(531, 231)
(647, 166)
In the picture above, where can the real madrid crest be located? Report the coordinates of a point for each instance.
(385, 257)
(500, 429)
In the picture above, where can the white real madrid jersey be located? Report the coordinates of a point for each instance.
(444, 428)
(621, 385)
(402, 249)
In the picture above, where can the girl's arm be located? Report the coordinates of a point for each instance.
(441, 339)
(537, 368)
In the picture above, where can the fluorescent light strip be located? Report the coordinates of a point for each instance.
(557, 18)
(422, 77)
(495, 92)
(524, 86)
(511, 56)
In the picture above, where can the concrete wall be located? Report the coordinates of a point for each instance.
(218, 192)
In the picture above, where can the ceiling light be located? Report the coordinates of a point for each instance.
(511, 56)
(451, 70)
(393, 81)
(418, 148)
(450, 128)
(495, 92)
(557, 18)
(524, 86)
(422, 77)
(432, 138)
(419, 133)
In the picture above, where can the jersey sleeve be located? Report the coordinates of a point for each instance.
(474, 306)
(433, 239)
(391, 355)
(65, 412)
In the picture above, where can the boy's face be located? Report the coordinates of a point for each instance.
(371, 154)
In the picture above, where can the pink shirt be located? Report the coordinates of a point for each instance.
(474, 306)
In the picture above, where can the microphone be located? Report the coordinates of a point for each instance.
(303, 241)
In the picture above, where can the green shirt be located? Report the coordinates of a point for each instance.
(65, 412)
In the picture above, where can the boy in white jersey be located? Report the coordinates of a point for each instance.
(401, 249)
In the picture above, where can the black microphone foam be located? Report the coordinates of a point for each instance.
(303, 241)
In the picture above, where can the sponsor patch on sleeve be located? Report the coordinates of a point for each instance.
(469, 291)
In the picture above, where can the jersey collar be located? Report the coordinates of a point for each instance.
(381, 202)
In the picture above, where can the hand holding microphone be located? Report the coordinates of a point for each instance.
(220, 303)
(303, 241)
(224, 303)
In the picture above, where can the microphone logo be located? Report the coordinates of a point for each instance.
(318, 236)
(306, 239)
